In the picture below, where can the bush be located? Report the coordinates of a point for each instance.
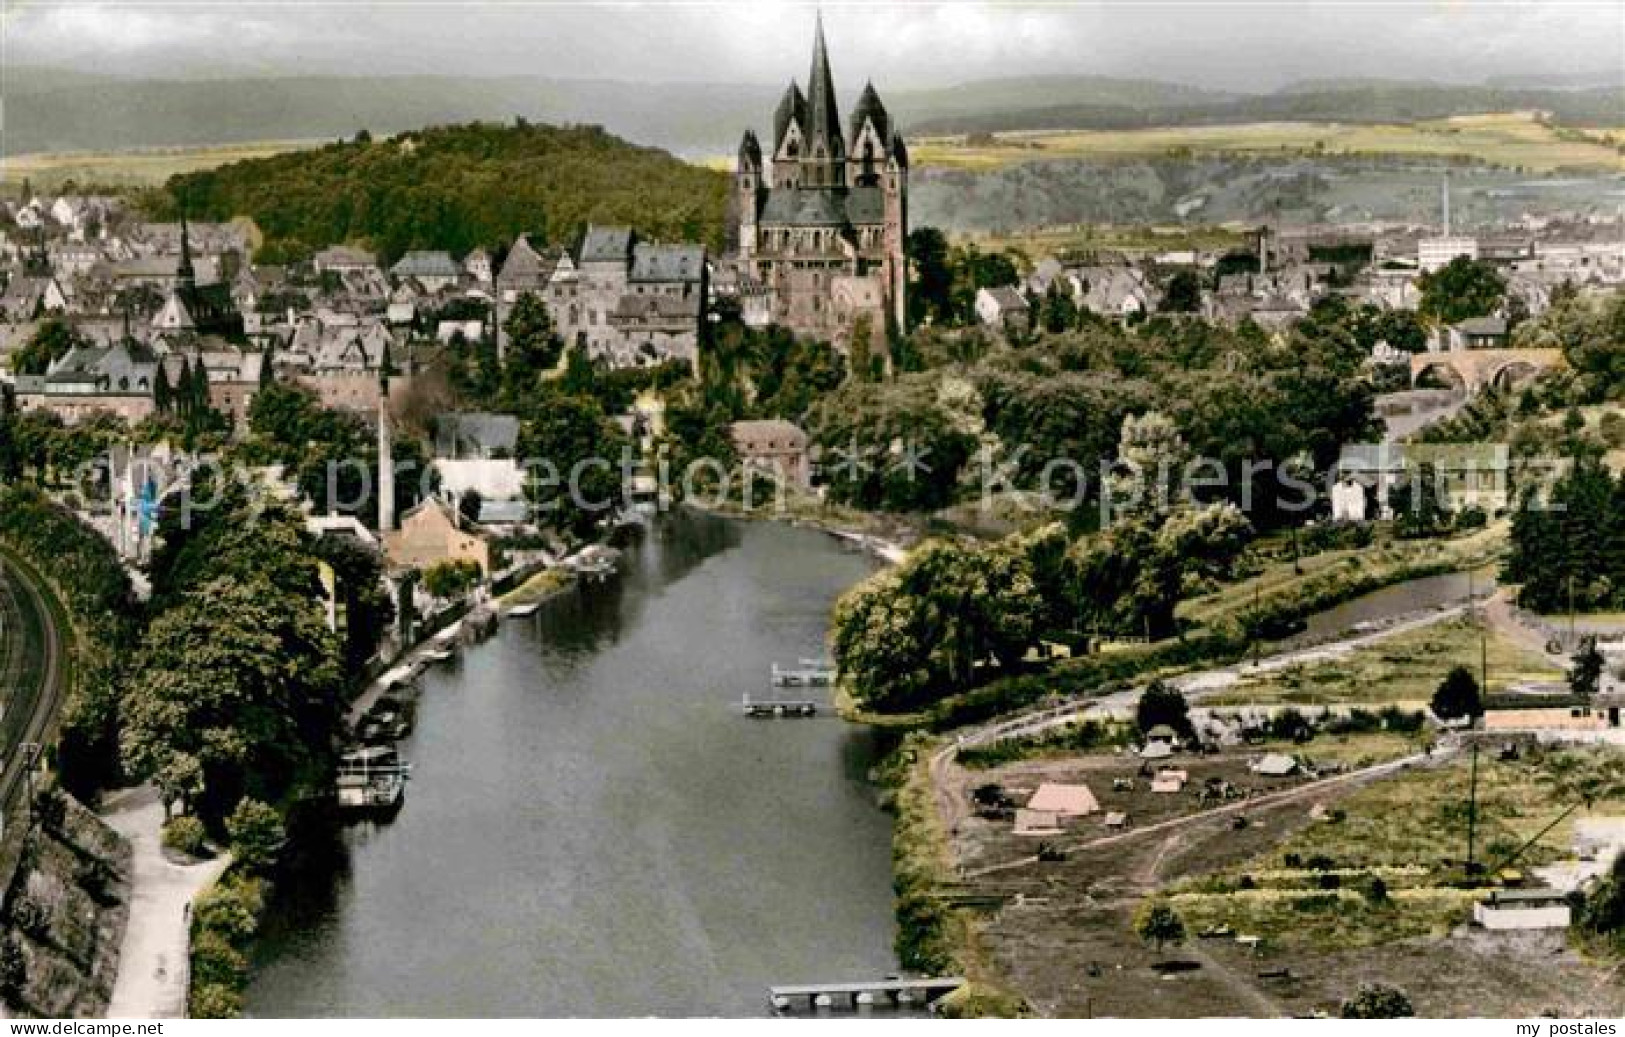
(1378, 1001)
(1471, 517)
(1400, 721)
(186, 834)
(231, 908)
(1376, 891)
(31, 916)
(13, 970)
(256, 833)
(213, 1001)
(215, 962)
(51, 808)
(1612, 427)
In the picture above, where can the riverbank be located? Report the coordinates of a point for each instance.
(153, 969)
(886, 537)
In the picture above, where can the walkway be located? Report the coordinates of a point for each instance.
(153, 960)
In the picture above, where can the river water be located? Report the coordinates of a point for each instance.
(592, 828)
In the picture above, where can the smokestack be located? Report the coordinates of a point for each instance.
(386, 458)
(1445, 192)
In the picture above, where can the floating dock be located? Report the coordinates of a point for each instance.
(808, 673)
(884, 992)
(778, 707)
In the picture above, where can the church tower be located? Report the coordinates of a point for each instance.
(748, 191)
(824, 230)
(823, 161)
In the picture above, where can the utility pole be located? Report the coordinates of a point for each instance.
(1571, 610)
(1472, 813)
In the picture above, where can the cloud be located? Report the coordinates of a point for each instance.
(1256, 45)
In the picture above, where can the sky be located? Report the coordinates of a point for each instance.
(1240, 46)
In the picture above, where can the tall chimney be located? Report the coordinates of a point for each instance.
(1445, 192)
(386, 458)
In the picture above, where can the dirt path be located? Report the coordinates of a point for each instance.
(152, 968)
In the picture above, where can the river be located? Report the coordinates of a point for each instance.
(592, 828)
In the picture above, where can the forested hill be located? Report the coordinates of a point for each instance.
(455, 188)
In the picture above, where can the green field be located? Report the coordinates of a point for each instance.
(1511, 139)
(1405, 668)
(147, 167)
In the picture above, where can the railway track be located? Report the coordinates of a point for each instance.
(32, 676)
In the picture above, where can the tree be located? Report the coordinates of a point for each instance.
(256, 834)
(1159, 924)
(1460, 289)
(864, 363)
(920, 630)
(930, 294)
(1183, 293)
(1161, 704)
(451, 578)
(50, 342)
(237, 689)
(533, 346)
(1585, 675)
(1057, 309)
(1378, 1001)
(1458, 696)
(1418, 503)
(577, 452)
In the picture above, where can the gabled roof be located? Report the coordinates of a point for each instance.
(426, 263)
(652, 262)
(606, 244)
(525, 265)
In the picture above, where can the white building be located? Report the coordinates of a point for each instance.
(1433, 253)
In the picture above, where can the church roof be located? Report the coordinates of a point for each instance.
(824, 206)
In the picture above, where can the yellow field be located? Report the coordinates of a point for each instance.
(1516, 139)
(1049, 241)
(146, 167)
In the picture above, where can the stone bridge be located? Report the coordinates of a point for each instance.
(1476, 369)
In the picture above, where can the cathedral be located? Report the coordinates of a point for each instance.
(819, 227)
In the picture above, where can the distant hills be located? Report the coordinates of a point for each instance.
(54, 110)
(1307, 102)
(456, 188)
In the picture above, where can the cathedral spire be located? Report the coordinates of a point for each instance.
(825, 148)
(183, 272)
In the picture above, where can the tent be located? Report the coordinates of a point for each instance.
(1064, 800)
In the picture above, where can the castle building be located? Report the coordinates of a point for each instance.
(820, 225)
